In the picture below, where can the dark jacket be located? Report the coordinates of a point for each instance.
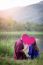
(19, 54)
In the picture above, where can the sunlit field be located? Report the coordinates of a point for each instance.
(18, 17)
(7, 41)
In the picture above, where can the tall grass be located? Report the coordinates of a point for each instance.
(7, 41)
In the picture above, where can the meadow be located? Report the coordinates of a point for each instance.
(7, 41)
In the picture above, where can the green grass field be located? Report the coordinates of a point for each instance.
(11, 61)
(7, 41)
(21, 32)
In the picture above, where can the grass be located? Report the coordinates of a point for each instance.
(11, 61)
(7, 41)
(21, 32)
(7, 47)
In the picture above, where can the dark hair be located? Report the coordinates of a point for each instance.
(34, 43)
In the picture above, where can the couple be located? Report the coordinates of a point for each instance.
(19, 49)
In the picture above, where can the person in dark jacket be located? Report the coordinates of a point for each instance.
(33, 51)
(18, 50)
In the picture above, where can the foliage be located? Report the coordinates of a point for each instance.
(12, 25)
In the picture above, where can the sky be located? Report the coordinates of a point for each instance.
(6, 4)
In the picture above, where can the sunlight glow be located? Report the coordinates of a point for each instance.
(5, 4)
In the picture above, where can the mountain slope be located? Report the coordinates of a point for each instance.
(33, 13)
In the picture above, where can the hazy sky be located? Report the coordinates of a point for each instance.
(5, 4)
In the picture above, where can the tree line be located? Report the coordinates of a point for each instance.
(13, 25)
